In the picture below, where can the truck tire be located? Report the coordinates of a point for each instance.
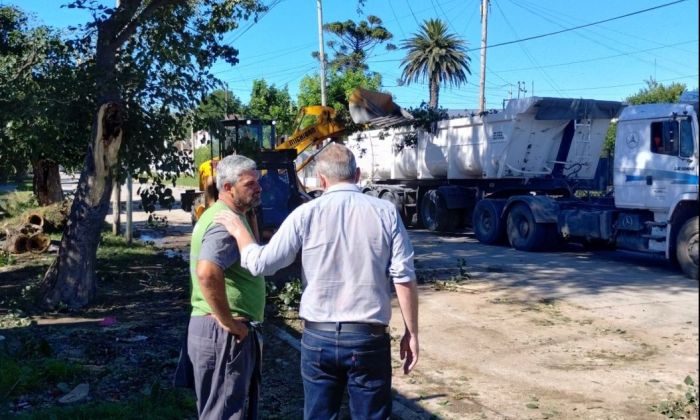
(487, 224)
(687, 248)
(394, 198)
(435, 215)
(524, 234)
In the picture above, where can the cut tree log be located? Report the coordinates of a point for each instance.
(39, 242)
(17, 244)
(35, 219)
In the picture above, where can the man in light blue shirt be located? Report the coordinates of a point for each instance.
(353, 247)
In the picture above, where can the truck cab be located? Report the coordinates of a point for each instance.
(656, 180)
(656, 157)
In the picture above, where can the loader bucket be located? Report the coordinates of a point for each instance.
(368, 106)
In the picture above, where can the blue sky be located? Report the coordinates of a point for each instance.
(605, 61)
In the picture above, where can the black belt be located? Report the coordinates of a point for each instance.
(352, 327)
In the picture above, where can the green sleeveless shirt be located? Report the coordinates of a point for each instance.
(245, 292)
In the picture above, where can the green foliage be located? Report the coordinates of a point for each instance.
(203, 154)
(354, 42)
(13, 204)
(45, 111)
(680, 408)
(340, 86)
(6, 258)
(656, 92)
(424, 118)
(609, 142)
(31, 372)
(268, 102)
(213, 109)
(435, 55)
(288, 298)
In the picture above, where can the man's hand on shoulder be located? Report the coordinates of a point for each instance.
(231, 221)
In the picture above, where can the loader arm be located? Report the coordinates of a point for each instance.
(324, 126)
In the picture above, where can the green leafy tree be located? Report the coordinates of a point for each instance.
(437, 56)
(355, 42)
(44, 105)
(656, 93)
(215, 107)
(149, 60)
(268, 102)
(653, 93)
(340, 86)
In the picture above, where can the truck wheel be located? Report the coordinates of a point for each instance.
(487, 224)
(524, 234)
(434, 213)
(394, 198)
(687, 248)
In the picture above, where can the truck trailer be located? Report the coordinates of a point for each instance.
(532, 175)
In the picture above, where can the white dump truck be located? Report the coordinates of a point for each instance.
(520, 175)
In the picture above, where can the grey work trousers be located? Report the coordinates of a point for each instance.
(226, 374)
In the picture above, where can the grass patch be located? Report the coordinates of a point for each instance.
(160, 404)
(14, 203)
(187, 182)
(22, 375)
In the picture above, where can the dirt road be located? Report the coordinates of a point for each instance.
(549, 335)
(508, 334)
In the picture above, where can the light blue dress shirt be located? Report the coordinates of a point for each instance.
(352, 247)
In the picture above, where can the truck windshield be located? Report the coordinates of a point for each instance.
(687, 146)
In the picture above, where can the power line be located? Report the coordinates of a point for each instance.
(580, 26)
(629, 84)
(552, 33)
(270, 7)
(610, 44)
(403, 34)
(588, 60)
(408, 3)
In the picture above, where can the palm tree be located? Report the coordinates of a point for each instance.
(434, 54)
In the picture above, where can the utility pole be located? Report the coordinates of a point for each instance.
(322, 56)
(116, 195)
(484, 25)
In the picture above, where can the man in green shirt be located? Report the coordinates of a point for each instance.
(223, 342)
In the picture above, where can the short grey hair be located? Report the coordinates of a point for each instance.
(230, 168)
(337, 163)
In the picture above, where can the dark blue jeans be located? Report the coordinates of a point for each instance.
(332, 361)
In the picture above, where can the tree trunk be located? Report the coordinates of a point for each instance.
(434, 93)
(71, 279)
(47, 182)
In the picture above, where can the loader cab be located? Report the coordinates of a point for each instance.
(656, 156)
(247, 136)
